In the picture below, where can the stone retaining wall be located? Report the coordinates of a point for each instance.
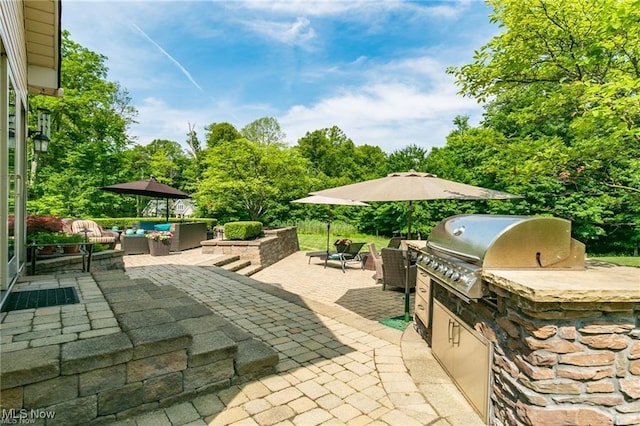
(558, 363)
(274, 246)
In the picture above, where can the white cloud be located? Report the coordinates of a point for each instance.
(297, 33)
(158, 120)
(391, 97)
(389, 114)
(354, 10)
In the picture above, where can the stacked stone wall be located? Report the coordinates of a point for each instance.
(274, 246)
(558, 363)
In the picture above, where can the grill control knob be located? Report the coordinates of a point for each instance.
(455, 276)
(467, 279)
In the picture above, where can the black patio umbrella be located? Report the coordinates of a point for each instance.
(149, 188)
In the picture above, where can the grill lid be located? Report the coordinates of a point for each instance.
(501, 241)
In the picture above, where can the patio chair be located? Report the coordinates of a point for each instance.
(377, 262)
(94, 233)
(346, 253)
(395, 269)
(395, 242)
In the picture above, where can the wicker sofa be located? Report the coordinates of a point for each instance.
(187, 235)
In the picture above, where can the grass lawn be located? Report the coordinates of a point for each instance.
(620, 260)
(315, 242)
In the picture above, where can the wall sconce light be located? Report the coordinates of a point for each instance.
(41, 138)
(40, 142)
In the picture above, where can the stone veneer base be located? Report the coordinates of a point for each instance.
(558, 363)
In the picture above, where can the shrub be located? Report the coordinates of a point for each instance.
(38, 224)
(242, 230)
(45, 238)
(100, 247)
(128, 222)
(69, 238)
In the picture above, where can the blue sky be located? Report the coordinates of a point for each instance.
(374, 68)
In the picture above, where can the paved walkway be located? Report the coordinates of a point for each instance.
(338, 365)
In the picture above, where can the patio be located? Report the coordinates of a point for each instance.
(337, 363)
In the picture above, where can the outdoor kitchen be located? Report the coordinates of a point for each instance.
(529, 331)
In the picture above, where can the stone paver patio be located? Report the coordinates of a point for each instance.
(337, 365)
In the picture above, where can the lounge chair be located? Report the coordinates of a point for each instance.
(377, 262)
(93, 232)
(346, 253)
(395, 269)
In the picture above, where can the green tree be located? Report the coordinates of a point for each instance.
(88, 137)
(264, 131)
(411, 157)
(166, 160)
(563, 78)
(244, 180)
(335, 156)
(217, 133)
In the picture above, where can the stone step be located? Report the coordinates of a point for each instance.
(255, 359)
(220, 260)
(236, 265)
(210, 345)
(249, 270)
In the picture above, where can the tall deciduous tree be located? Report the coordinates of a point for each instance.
(264, 131)
(221, 132)
(246, 180)
(564, 83)
(89, 134)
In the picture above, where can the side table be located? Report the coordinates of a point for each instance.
(134, 244)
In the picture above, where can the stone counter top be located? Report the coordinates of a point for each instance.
(598, 282)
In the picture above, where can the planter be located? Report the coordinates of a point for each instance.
(159, 248)
(71, 249)
(47, 250)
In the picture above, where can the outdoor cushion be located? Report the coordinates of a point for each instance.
(94, 233)
(162, 227)
(147, 226)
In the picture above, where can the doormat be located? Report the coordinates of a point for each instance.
(396, 322)
(40, 298)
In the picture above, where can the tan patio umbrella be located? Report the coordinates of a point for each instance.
(329, 201)
(412, 186)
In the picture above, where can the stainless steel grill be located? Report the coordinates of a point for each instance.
(460, 247)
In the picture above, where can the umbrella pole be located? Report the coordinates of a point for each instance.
(167, 210)
(407, 264)
(409, 210)
(406, 287)
(328, 228)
